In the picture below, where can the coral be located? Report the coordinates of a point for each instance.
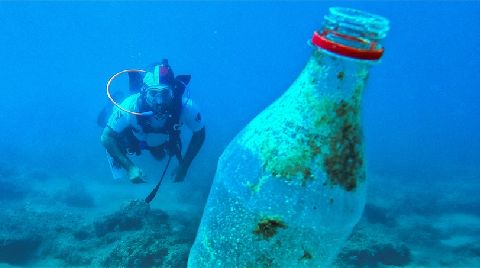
(177, 255)
(81, 235)
(72, 254)
(131, 217)
(20, 248)
(151, 246)
(138, 250)
(26, 232)
(134, 236)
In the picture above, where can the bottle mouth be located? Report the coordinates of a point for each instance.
(352, 33)
(356, 22)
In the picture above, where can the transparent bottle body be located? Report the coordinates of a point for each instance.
(291, 186)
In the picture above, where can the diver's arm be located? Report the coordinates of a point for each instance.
(110, 142)
(194, 146)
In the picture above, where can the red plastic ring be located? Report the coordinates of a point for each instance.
(357, 53)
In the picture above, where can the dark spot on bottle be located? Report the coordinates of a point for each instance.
(268, 227)
(306, 256)
(344, 160)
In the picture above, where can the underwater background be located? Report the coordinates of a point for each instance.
(59, 205)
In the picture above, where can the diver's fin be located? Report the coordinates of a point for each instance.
(135, 81)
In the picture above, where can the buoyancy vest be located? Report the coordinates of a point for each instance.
(172, 114)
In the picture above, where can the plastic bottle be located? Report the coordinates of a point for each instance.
(291, 186)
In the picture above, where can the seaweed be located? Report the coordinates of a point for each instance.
(268, 227)
(344, 159)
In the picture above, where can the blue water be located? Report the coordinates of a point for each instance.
(421, 109)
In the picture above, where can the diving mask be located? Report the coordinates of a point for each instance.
(160, 95)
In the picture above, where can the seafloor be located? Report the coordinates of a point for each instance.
(409, 221)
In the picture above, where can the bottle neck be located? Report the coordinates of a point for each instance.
(336, 77)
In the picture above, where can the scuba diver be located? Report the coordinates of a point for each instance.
(151, 119)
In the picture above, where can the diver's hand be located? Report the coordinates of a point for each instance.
(136, 175)
(179, 174)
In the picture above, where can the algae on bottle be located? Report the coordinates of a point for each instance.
(291, 185)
